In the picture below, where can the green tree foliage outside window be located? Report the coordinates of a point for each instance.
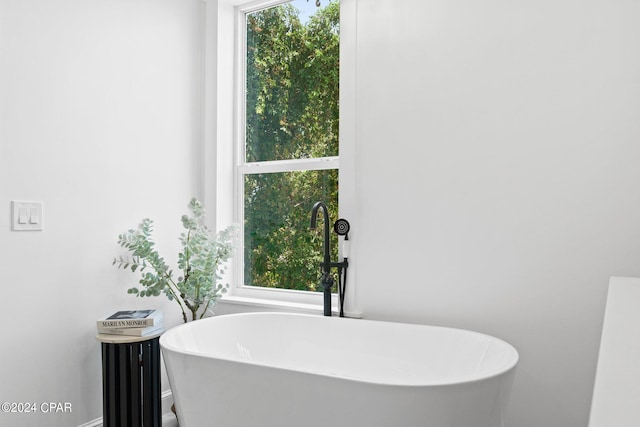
(292, 108)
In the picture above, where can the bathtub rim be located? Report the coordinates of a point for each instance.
(506, 370)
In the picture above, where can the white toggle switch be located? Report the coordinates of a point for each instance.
(34, 216)
(23, 216)
(27, 216)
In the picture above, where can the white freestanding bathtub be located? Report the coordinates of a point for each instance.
(292, 370)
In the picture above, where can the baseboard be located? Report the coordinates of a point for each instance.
(95, 423)
(167, 402)
(166, 399)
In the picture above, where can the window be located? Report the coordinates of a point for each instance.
(288, 141)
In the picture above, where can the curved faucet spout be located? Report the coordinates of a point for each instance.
(327, 280)
(325, 244)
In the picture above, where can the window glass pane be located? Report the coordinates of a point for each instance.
(292, 69)
(281, 251)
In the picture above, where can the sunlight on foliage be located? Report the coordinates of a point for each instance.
(292, 112)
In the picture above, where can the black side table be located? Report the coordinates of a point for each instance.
(131, 380)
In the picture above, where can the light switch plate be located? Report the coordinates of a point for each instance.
(27, 216)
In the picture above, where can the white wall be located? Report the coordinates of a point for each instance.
(100, 118)
(497, 178)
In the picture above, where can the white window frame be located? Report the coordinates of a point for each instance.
(224, 123)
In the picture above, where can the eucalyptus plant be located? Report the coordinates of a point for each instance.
(202, 262)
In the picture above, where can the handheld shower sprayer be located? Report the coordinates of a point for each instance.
(342, 227)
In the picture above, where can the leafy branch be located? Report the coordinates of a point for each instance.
(202, 262)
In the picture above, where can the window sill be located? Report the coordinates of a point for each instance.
(271, 304)
(274, 305)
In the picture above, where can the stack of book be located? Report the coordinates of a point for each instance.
(138, 323)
